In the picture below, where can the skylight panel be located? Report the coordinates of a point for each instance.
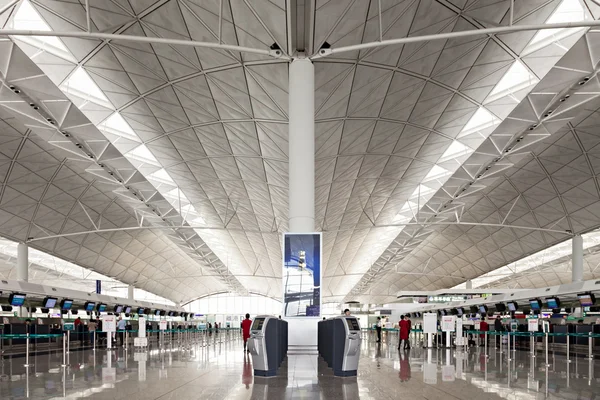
(27, 18)
(116, 125)
(516, 78)
(142, 153)
(163, 176)
(482, 119)
(456, 149)
(82, 85)
(436, 172)
(567, 11)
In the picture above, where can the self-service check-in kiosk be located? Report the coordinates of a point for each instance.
(268, 344)
(339, 344)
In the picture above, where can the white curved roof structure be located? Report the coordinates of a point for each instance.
(164, 165)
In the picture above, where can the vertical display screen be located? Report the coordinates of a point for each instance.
(89, 306)
(553, 302)
(302, 274)
(49, 302)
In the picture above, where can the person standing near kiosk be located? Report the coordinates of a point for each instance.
(246, 324)
(404, 326)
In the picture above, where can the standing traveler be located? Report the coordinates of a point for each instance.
(378, 328)
(246, 324)
(121, 328)
(92, 326)
(404, 333)
(498, 327)
(347, 312)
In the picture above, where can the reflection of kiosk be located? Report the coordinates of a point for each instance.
(339, 344)
(267, 344)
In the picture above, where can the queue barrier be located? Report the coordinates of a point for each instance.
(184, 337)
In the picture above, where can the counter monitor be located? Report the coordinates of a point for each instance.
(553, 302)
(89, 306)
(118, 309)
(101, 307)
(460, 311)
(66, 304)
(49, 302)
(141, 311)
(512, 306)
(500, 307)
(17, 299)
(536, 304)
(156, 312)
(586, 299)
(483, 309)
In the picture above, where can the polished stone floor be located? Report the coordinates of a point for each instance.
(222, 371)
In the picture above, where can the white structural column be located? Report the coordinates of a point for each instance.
(22, 262)
(577, 259)
(302, 336)
(130, 292)
(469, 284)
(301, 146)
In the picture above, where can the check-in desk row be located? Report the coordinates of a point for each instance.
(339, 344)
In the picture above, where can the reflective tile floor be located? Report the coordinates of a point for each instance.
(223, 371)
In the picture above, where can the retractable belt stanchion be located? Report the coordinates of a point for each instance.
(27, 351)
(485, 346)
(68, 341)
(568, 349)
(508, 354)
(546, 344)
(64, 364)
(590, 341)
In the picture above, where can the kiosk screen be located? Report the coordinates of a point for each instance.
(258, 324)
(352, 324)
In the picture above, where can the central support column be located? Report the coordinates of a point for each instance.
(302, 146)
(577, 259)
(130, 292)
(302, 331)
(22, 262)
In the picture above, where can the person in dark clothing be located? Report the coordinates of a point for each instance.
(378, 329)
(498, 327)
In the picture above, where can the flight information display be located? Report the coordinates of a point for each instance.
(353, 324)
(17, 299)
(49, 302)
(257, 324)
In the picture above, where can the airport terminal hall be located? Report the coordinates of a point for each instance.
(299, 199)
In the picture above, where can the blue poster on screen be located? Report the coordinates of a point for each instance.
(301, 274)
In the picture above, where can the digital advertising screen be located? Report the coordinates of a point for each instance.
(302, 274)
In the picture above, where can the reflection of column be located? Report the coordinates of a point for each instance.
(577, 259)
(301, 146)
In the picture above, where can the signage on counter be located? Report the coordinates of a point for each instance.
(532, 325)
(162, 325)
(109, 323)
(448, 323)
(429, 323)
(142, 327)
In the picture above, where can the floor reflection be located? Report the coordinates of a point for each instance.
(223, 370)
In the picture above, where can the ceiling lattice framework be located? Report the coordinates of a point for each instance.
(216, 120)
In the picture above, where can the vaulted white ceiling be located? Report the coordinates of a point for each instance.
(197, 137)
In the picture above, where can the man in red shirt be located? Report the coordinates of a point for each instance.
(246, 324)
